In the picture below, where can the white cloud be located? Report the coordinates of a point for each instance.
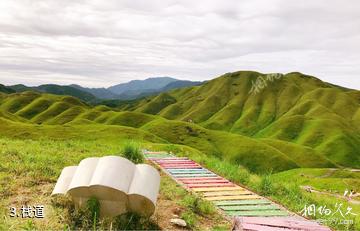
(100, 43)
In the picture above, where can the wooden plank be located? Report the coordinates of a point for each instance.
(249, 207)
(201, 178)
(242, 202)
(157, 156)
(156, 152)
(180, 170)
(285, 222)
(173, 158)
(193, 175)
(184, 170)
(204, 181)
(164, 161)
(227, 193)
(237, 197)
(190, 167)
(207, 185)
(175, 162)
(216, 189)
(252, 227)
(263, 213)
(180, 165)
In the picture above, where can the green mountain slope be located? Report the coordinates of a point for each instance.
(295, 108)
(5, 89)
(46, 109)
(57, 90)
(295, 121)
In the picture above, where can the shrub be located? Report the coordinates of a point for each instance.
(133, 221)
(198, 205)
(266, 185)
(131, 151)
(189, 217)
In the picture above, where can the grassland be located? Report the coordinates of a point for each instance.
(29, 169)
(298, 128)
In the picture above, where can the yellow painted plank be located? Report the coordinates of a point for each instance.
(227, 193)
(214, 189)
(237, 197)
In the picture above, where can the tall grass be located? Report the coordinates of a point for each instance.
(131, 150)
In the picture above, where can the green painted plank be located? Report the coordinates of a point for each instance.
(242, 202)
(249, 207)
(156, 155)
(264, 213)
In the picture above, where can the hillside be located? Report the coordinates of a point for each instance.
(150, 84)
(45, 109)
(296, 121)
(132, 90)
(5, 89)
(57, 90)
(296, 108)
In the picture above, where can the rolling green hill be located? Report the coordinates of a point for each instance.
(295, 121)
(57, 90)
(5, 89)
(296, 108)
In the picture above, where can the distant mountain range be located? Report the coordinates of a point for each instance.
(124, 91)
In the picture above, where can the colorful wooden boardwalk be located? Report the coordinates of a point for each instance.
(233, 200)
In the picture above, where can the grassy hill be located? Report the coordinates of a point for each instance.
(298, 127)
(258, 155)
(5, 89)
(295, 108)
(295, 121)
(57, 90)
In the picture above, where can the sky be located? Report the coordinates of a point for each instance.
(99, 43)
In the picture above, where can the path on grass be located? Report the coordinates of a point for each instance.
(253, 212)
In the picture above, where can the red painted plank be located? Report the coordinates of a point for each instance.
(172, 165)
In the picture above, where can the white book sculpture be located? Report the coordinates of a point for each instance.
(118, 184)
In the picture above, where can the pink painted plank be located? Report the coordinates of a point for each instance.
(183, 167)
(207, 185)
(201, 178)
(175, 165)
(286, 222)
(177, 162)
(175, 158)
(180, 160)
(188, 162)
(252, 227)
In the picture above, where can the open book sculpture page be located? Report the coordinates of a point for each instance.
(118, 184)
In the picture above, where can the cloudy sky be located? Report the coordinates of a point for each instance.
(99, 43)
